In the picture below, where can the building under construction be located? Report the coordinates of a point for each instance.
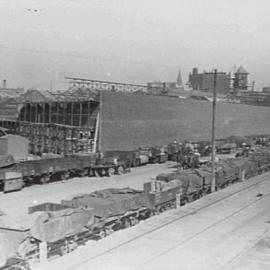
(62, 122)
(100, 116)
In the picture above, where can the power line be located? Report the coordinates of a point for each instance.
(86, 57)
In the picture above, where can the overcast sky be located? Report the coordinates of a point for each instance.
(131, 40)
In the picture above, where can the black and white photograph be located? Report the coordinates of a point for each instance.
(134, 135)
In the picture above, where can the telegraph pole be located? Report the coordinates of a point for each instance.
(213, 183)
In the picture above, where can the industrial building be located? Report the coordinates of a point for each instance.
(166, 88)
(240, 81)
(94, 116)
(205, 81)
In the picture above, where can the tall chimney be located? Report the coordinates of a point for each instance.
(4, 84)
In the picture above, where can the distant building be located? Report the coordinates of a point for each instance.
(253, 98)
(160, 88)
(166, 88)
(179, 81)
(266, 90)
(241, 79)
(6, 92)
(205, 81)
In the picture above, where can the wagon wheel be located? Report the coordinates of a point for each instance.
(108, 231)
(44, 179)
(96, 173)
(126, 223)
(102, 234)
(63, 249)
(162, 209)
(84, 172)
(91, 172)
(65, 175)
(120, 170)
(134, 221)
(136, 162)
(72, 245)
(110, 172)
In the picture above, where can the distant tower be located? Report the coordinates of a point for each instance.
(241, 79)
(179, 81)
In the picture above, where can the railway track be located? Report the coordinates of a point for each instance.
(175, 217)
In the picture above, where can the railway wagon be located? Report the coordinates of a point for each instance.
(114, 209)
(62, 228)
(45, 170)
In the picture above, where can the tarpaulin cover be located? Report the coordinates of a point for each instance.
(111, 202)
(54, 226)
(9, 243)
(6, 160)
(22, 223)
(3, 249)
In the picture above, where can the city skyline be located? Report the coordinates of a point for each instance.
(127, 41)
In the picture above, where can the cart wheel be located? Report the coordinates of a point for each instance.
(102, 234)
(84, 172)
(90, 173)
(134, 221)
(63, 249)
(120, 170)
(96, 173)
(126, 223)
(110, 172)
(109, 231)
(65, 176)
(72, 245)
(44, 179)
(137, 162)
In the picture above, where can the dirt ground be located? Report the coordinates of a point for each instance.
(15, 204)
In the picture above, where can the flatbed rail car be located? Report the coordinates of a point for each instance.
(45, 170)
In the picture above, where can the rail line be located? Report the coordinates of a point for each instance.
(182, 217)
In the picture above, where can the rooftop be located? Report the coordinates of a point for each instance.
(241, 70)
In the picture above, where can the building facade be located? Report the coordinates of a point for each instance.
(205, 81)
(241, 79)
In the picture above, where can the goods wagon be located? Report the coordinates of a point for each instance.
(62, 227)
(58, 168)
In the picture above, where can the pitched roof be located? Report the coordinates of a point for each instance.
(241, 70)
(179, 81)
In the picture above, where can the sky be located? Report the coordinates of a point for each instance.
(132, 41)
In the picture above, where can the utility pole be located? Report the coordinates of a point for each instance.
(213, 183)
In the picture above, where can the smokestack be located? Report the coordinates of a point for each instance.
(4, 84)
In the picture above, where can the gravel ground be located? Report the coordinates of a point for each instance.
(16, 204)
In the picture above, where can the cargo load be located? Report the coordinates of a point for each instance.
(54, 225)
(109, 202)
(48, 222)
